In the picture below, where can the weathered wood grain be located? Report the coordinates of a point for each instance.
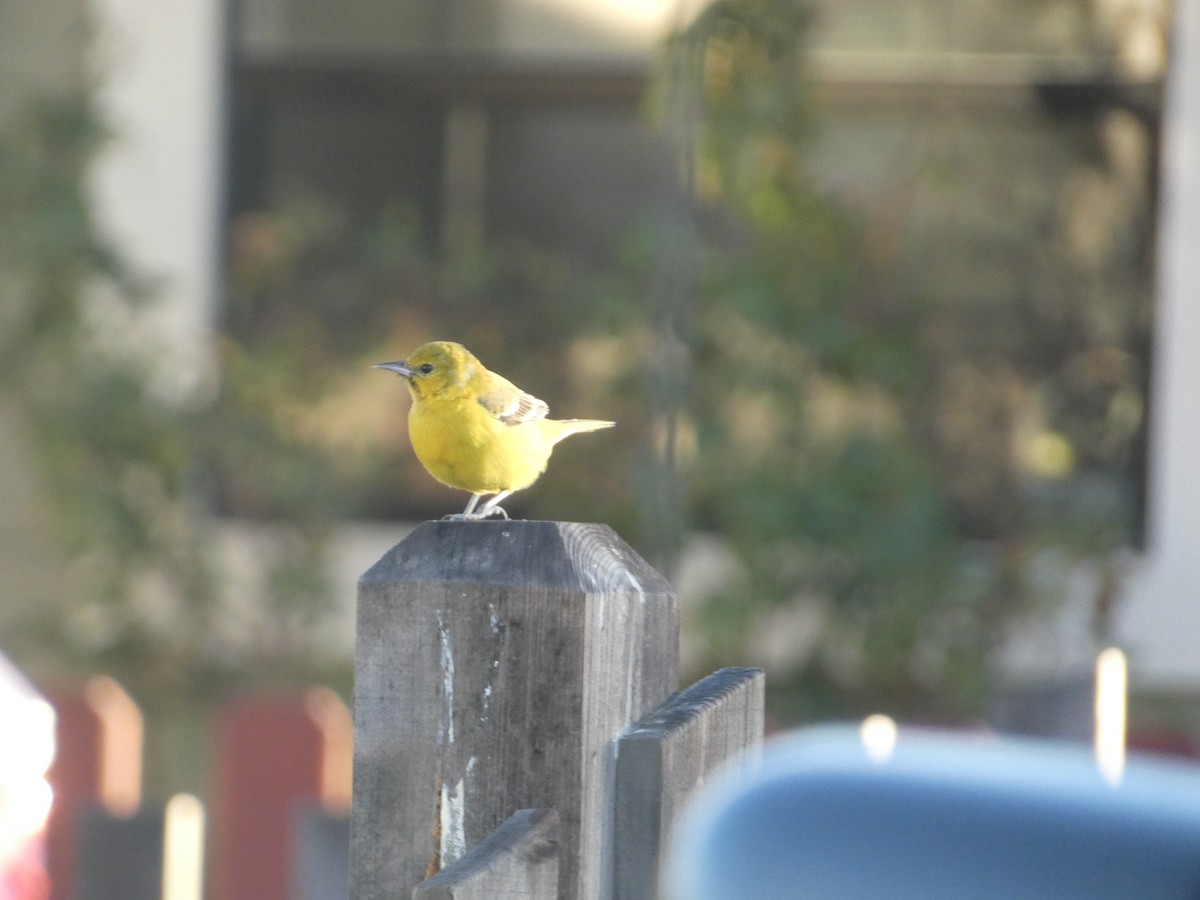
(517, 861)
(666, 756)
(496, 662)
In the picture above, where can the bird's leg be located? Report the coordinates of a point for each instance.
(490, 507)
(468, 513)
(471, 514)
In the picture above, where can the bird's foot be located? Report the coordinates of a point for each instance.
(476, 516)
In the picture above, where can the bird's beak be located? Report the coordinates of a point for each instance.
(399, 367)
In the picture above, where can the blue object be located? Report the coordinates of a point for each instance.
(945, 815)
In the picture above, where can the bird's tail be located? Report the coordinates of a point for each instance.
(566, 427)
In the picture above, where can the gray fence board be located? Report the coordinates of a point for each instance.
(662, 759)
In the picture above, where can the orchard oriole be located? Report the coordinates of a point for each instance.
(475, 430)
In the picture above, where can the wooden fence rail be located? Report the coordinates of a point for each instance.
(506, 667)
(517, 861)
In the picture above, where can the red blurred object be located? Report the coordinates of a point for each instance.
(273, 756)
(98, 762)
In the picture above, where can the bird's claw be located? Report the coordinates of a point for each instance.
(476, 517)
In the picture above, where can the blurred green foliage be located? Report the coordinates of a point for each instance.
(124, 461)
(888, 460)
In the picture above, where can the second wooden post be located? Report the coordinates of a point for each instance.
(496, 662)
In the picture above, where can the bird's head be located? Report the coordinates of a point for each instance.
(434, 368)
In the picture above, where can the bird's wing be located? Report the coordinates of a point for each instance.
(511, 405)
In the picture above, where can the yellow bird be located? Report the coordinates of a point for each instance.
(474, 430)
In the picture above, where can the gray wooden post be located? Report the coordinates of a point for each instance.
(665, 756)
(495, 663)
(517, 861)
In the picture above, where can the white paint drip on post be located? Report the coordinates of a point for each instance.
(454, 818)
(453, 827)
(447, 735)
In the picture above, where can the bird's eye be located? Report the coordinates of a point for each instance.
(426, 369)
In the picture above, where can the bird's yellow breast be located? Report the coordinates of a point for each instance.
(464, 447)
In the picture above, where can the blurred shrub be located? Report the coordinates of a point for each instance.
(888, 459)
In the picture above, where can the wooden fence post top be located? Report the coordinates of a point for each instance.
(578, 556)
(495, 662)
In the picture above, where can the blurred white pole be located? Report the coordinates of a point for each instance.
(1160, 619)
(183, 849)
(27, 747)
(1112, 692)
(156, 186)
